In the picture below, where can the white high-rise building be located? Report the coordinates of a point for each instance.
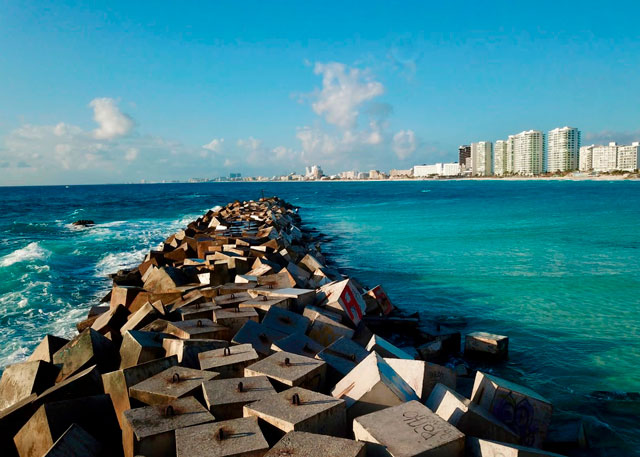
(563, 146)
(628, 157)
(605, 158)
(439, 169)
(586, 158)
(481, 158)
(511, 144)
(313, 172)
(500, 157)
(528, 152)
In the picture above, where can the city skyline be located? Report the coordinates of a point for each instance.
(131, 92)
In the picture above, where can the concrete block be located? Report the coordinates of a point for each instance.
(48, 346)
(298, 409)
(522, 409)
(476, 447)
(117, 383)
(326, 331)
(226, 397)
(231, 299)
(407, 430)
(187, 350)
(123, 295)
(169, 385)
(469, 418)
(76, 442)
(94, 414)
(377, 301)
(342, 356)
(259, 336)
(150, 431)
(280, 280)
(371, 386)
(228, 362)
(145, 315)
(234, 318)
(298, 298)
(198, 311)
(285, 369)
(231, 438)
(312, 312)
(84, 383)
(423, 376)
(139, 347)
(386, 349)
(310, 263)
(285, 321)
(482, 344)
(343, 297)
(303, 444)
(262, 304)
(88, 348)
(11, 420)
(199, 328)
(20, 380)
(165, 279)
(297, 343)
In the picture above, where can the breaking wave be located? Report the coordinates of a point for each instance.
(33, 251)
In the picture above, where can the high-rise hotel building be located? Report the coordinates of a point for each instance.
(464, 157)
(481, 158)
(563, 149)
(500, 157)
(527, 149)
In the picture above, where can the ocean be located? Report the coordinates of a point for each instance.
(553, 264)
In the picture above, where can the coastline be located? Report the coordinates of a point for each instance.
(402, 320)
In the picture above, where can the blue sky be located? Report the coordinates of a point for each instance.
(99, 92)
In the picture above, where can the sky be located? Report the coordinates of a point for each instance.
(110, 92)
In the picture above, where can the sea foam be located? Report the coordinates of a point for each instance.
(33, 251)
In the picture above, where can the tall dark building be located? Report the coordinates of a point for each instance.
(464, 153)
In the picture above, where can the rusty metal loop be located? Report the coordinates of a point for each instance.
(199, 323)
(287, 361)
(169, 411)
(226, 351)
(221, 434)
(295, 400)
(240, 387)
(175, 378)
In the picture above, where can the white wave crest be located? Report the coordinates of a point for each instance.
(113, 262)
(33, 251)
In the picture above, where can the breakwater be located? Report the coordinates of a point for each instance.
(240, 264)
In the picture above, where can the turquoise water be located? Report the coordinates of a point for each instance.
(555, 265)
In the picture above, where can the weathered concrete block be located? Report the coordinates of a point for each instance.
(226, 397)
(187, 350)
(482, 344)
(298, 298)
(139, 347)
(520, 408)
(310, 263)
(234, 318)
(285, 321)
(303, 444)
(145, 315)
(150, 431)
(12, 419)
(469, 418)
(117, 383)
(231, 299)
(326, 331)
(259, 336)
(377, 301)
(423, 376)
(341, 356)
(262, 304)
(298, 409)
(169, 385)
(297, 343)
(407, 430)
(199, 328)
(88, 348)
(476, 447)
(286, 369)
(198, 311)
(51, 420)
(280, 280)
(312, 312)
(165, 279)
(84, 383)
(344, 298)
(123, 295)
(48, 346)
(372, 385)
(228, 362)
(20, 380)
(233, 438)
(76, 442)
(386, 349)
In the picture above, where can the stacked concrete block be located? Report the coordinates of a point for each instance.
(198, 311)
(285, 321)
(187, 350)
(225, 398)
(259, 336)
(228, 362)
(298, 343)
(76, 441)
(326, 331)
(49, 345)
(476, 447)
(341, 357)
(423, 376)
(286, 369)
(303, 444)
(483, 344)
(344, 298)
(386, 349)
(88, 348)
(520, 408)
(199, 328)
(408, 430)
(20, 380)
(234, 318)
(169, 385)
(377, 301)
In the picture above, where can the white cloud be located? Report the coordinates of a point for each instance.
(131, 154)
(404, 143)
(343, 91)
(112, 123)
(214, 145)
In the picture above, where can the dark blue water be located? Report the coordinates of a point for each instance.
(555, 265)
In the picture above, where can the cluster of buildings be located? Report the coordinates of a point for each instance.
(532, 153)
